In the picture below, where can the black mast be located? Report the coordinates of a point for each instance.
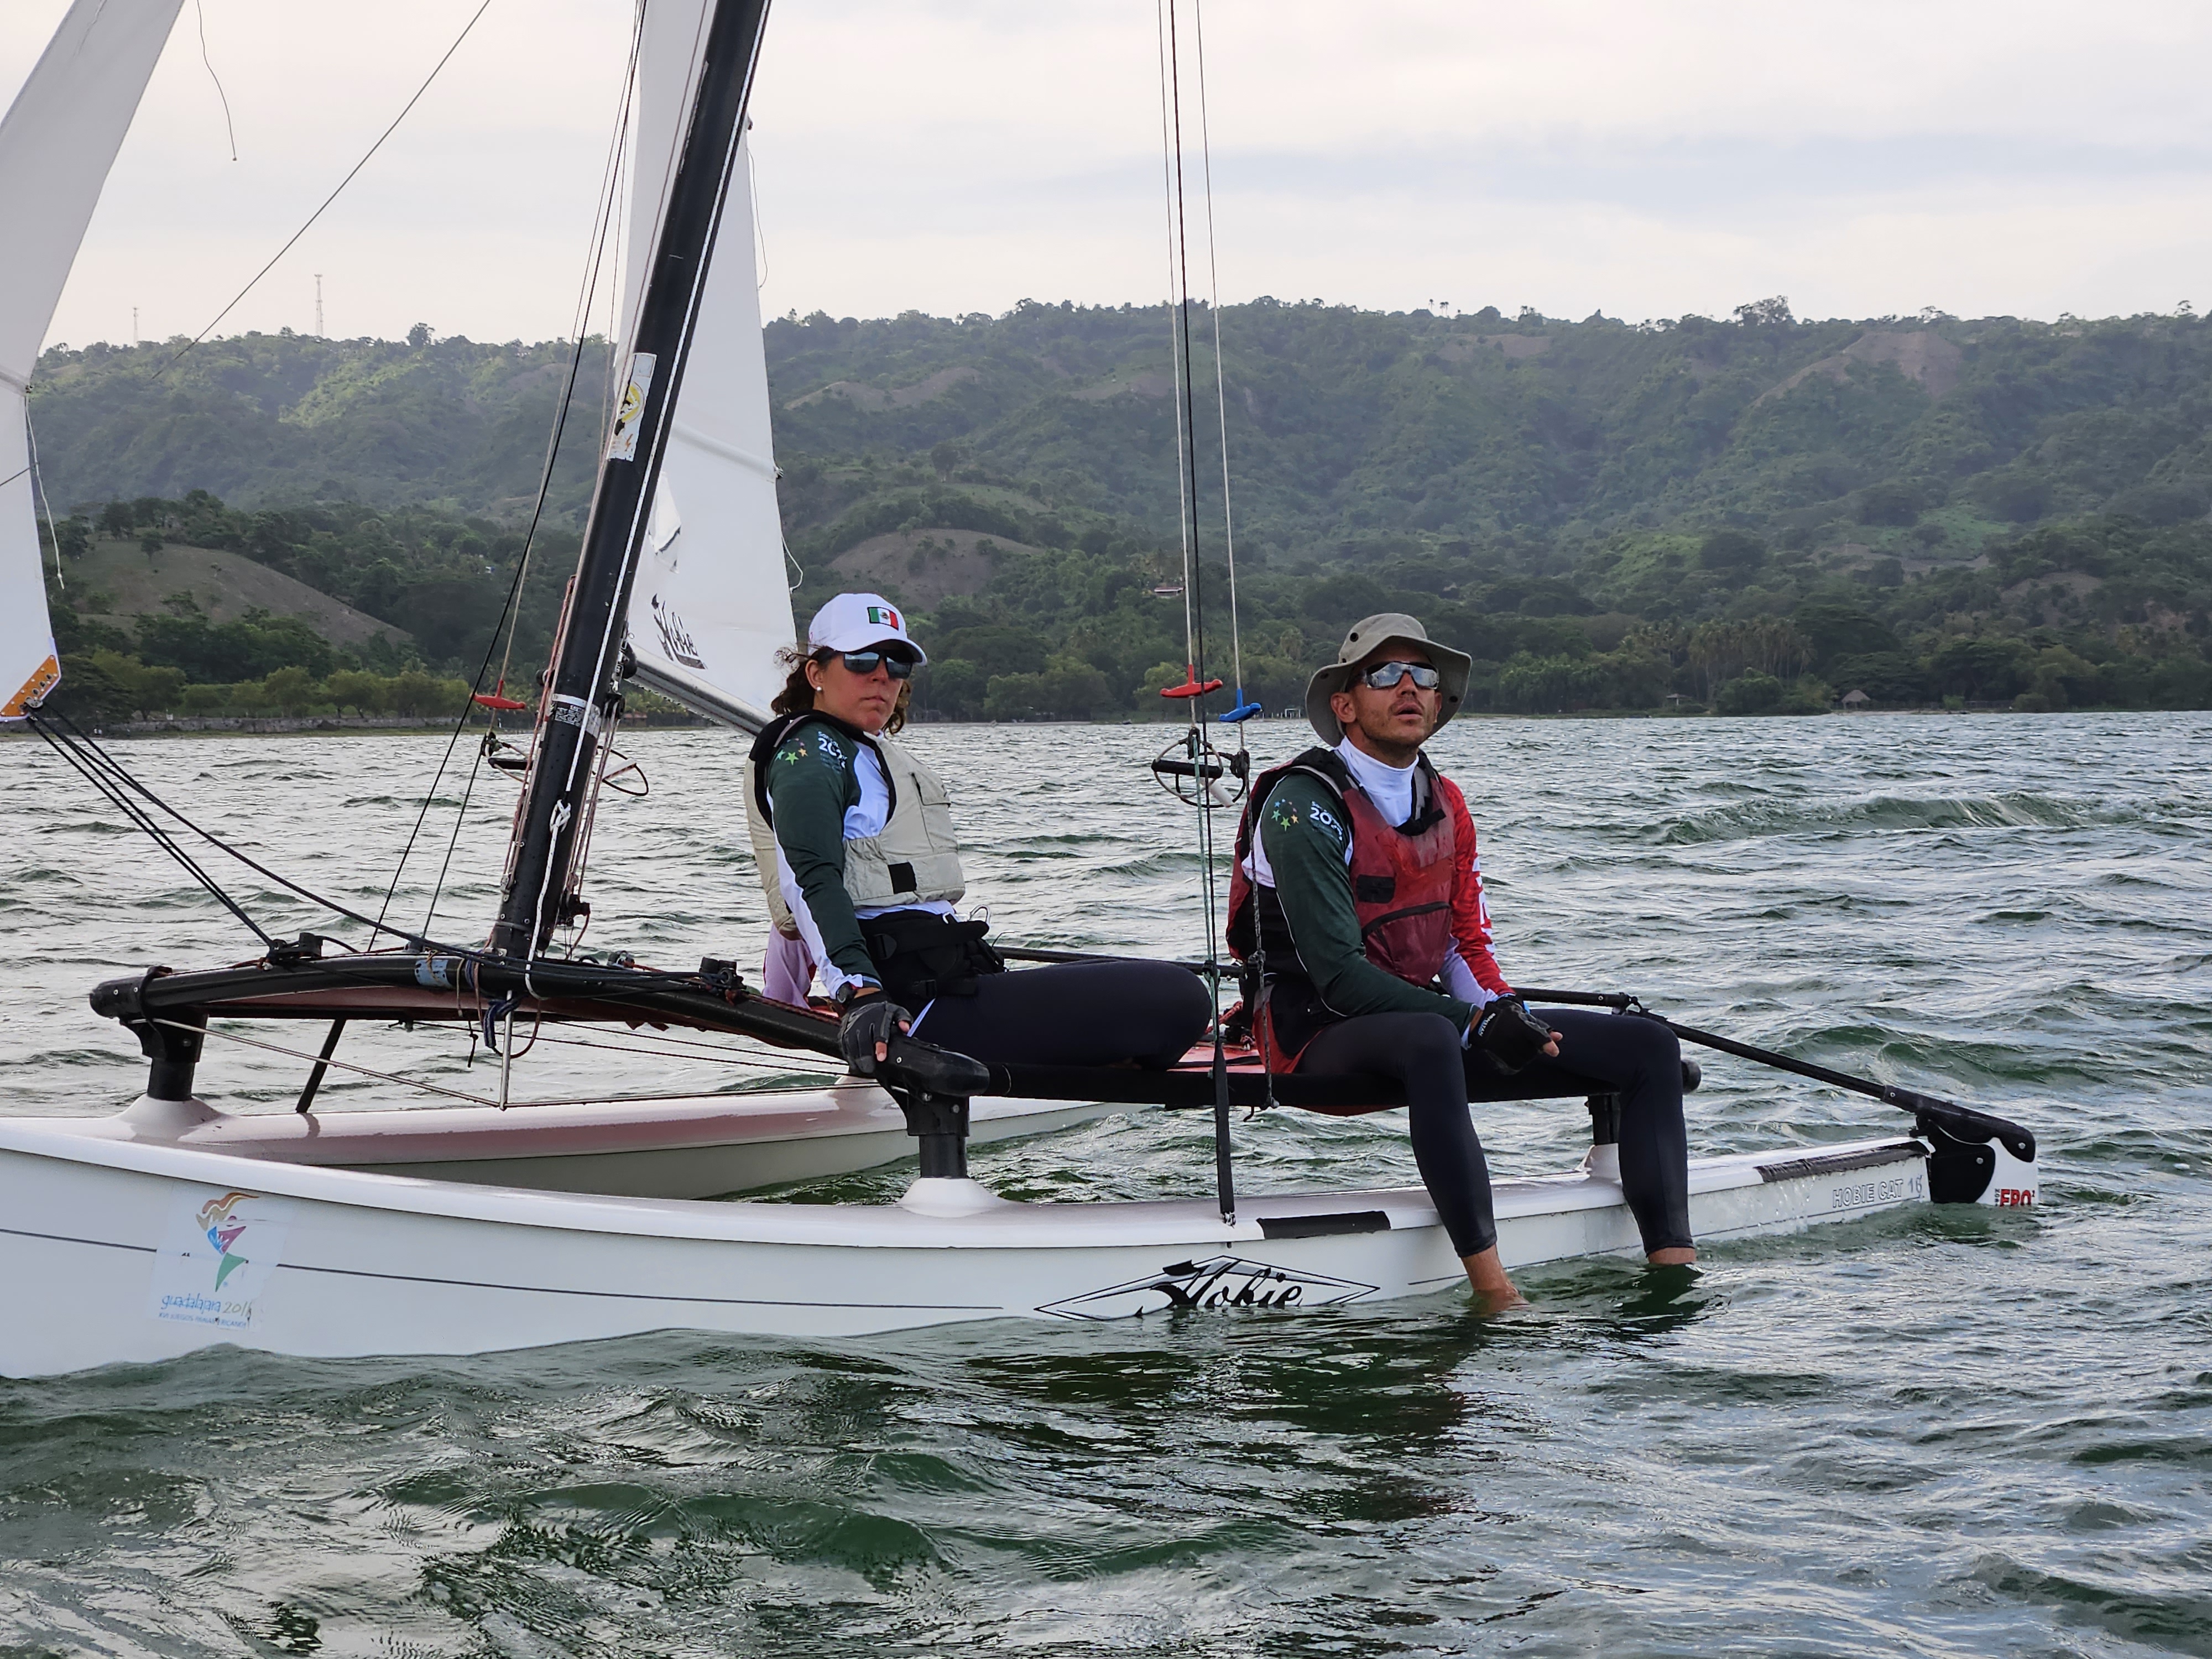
(582, 690)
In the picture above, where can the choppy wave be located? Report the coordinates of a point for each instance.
(1747, 819)
(1954, 1430)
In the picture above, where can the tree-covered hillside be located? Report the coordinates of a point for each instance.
(1749, 513)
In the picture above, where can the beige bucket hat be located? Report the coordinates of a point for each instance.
(1368, 636)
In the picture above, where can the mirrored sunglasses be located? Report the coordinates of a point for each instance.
(1385, 676)
(865, 662)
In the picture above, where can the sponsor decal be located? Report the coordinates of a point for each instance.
(217, 1258)
(1221, 1281)
(675, 638)
(882, 616)
(2016, 1195)
(622, 442)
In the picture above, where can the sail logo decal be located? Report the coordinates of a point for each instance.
(622, 442)
(675, 638)
(223, 1231)
(1221, 1281)
(216, 1257)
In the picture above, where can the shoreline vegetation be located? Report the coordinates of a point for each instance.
(1752, 515)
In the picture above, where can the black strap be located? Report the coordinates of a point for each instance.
(782, 728)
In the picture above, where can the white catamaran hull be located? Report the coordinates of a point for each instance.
(133, 1251)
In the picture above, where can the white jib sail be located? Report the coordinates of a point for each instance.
(57, 142)
(711, 605)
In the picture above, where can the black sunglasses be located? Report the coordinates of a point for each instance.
(865, 662)
(1385, 676)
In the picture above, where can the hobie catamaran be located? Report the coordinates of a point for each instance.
(173, 1226)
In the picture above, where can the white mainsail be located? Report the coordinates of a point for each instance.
(57, 142)
(710, 605)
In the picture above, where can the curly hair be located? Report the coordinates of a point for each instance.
(797, 697)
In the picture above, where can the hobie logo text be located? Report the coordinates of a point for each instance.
(1221, 1281)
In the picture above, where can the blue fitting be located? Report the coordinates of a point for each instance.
(1242, 712)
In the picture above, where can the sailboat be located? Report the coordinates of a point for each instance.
(173, 1226)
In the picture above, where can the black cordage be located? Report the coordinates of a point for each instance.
(118, 796)
(509, 617)
(119, 784)
(334, 195)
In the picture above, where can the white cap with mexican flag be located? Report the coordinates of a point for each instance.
(857, 621)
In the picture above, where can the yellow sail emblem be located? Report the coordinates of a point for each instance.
(622, 442)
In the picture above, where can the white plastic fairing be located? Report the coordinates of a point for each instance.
(2012, 1182)
(57, 142)
(709, 608)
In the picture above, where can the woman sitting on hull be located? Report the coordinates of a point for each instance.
(868, 868)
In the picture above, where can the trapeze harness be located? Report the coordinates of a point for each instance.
(1402, 878)
(912, 861)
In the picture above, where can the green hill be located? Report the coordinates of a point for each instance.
(1611, 513)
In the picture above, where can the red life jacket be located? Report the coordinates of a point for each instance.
(1402, 878)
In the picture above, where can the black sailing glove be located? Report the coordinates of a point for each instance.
(1510, 1035)
(866, 1022)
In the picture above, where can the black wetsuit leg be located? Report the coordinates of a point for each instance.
(1076, 1013)
(1421, 1053)
(1640, 1061)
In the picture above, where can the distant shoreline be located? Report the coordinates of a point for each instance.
(315, 725)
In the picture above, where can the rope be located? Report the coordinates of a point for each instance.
(230, 129)
(95, 763)
(405, 1082)
(334, 195)
(39, 484)
(509, 618)
(1194, 599)
(1243, 710)
(119, 797)
(1170, 183)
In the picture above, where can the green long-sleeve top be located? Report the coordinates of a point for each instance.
(812, 783)
(1307, 842)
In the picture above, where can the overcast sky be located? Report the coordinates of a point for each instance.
(1639, 158)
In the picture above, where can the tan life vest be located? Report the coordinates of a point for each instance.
(765, 856)
(916, 859)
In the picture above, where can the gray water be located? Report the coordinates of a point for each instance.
(1942, 1431)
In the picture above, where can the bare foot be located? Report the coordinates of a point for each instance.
(1674, 1258)
(1493, 1290)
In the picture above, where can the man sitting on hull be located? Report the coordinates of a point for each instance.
(1363, 889)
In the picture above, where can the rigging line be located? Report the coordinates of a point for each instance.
(1220, 376)
(334, 195)
(510, 620)
(38, 484)
(605, 650)
(229, 129)
(1194, 590)
(87, 747)
(341, 1065)
(161, 838)
(477, 1100)
(1224, 1164)
(764, 1061)
(752, 189)
(1182, 504)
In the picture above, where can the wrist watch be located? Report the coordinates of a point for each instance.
(851, 989)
